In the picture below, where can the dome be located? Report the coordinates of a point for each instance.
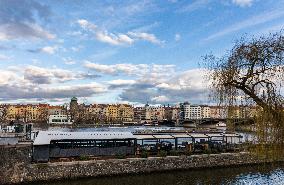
(74, 99)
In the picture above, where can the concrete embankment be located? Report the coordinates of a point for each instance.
(16, 166)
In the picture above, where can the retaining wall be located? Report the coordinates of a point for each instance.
(17, 167)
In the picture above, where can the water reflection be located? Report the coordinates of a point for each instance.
(252, 175)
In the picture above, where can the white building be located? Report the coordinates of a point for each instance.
(205, 111)
(195, 112)
(59, 119)
(186, 110)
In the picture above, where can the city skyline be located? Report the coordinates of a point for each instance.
(120, 52)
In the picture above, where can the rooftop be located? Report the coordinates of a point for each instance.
(44, 137)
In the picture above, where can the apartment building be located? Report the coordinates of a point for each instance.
(28, 112)
(139, 114)
(125, 112)
(155, 113)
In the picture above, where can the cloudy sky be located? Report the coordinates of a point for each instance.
(120, 51)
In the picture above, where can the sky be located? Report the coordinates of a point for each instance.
(121, 51)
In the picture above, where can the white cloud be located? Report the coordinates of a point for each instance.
(113, 39)
(118, 38)
(33, 82)
(86, 24)
(114, 69)
(177, 37)
(243, 3)
(41, 75)
(27, 91)
(83, 22)
(121, 82)
(131, 69)
(160, 99)
(100, 67)
(150, 82)
(7, 77)
(146, 36)
(177, 87)
(69, 62)
(104, 36)
(49, 49)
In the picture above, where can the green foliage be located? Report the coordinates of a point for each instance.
(162, 153)
(207, 151)
(42, 165)
(144, 154)
(120, 156)
(173, 153)
(214, 151)
(84, 158)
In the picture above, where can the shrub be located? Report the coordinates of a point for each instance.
(214, 151)
(120, 156)
(144, 154)
(207, 151)
(162, 153)
(84, 158)
(188, 152)
(173, 153)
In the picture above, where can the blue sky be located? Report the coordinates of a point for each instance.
(121, 51)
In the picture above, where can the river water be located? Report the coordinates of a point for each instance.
(251, 175)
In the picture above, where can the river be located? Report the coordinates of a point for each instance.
(251, 175)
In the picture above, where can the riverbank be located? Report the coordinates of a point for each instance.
(16, 166)
(245, 174)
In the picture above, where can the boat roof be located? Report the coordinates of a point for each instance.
(145, 137)
(163, 136)
(181, 136)
(198, 135)
(232, 135)
(214, 135)
(44, 137)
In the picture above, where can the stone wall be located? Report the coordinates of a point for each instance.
(24, 171)
(13, 162)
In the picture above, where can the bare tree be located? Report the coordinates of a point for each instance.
(41, 119)
(253, 73)
(66, 111)
(43, 115)
(3, 114)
